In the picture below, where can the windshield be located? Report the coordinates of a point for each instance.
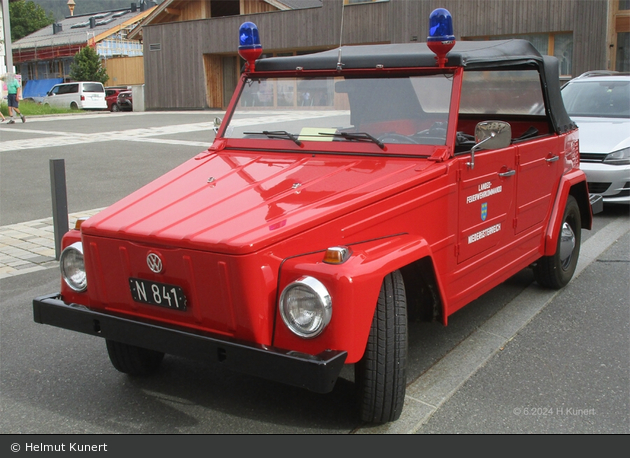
(384, 110)
(605, 99)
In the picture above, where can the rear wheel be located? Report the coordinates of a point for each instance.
(133, 360)
(381, 375)
(556, 271)
(115, 107)
(74, 106)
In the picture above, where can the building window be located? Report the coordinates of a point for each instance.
(622, 63)
(559, 45)
(622, 30)
(563, 50)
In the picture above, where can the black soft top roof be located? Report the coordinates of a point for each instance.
(464, 54)
(472, 55)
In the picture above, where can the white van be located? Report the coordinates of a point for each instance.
(85, 95)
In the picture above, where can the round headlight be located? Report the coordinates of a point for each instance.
(73, 268)
(306, 307)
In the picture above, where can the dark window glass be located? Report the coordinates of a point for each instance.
(93, 87)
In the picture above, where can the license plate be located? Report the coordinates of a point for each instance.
(154, 293)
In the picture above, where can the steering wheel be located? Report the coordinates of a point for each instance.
(393, 137)
(463, 138)
(437, 130)
(435, 135)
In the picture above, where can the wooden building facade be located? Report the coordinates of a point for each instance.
(190, 48)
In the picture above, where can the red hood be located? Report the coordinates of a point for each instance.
(239, 202)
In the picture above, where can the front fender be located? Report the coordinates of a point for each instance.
(354, 288)
(572, 183)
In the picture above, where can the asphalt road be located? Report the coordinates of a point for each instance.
(520, 359)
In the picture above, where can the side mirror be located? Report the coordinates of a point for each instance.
(217, 124)
(490, 135)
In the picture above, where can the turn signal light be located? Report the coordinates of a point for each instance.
(337, 255)
(79, 222)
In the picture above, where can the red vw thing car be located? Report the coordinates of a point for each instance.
(344, 191)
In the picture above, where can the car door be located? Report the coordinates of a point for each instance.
(53, 96)
(485, 202)
(538, 174)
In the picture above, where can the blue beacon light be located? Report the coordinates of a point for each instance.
(441, 39)
(249, 47)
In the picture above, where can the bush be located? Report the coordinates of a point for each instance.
(87, 66)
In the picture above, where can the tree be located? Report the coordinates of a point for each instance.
(87, 66)
(26, 18)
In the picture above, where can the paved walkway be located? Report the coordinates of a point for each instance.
(30, 246)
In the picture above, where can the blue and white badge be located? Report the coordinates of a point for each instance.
(484, 211)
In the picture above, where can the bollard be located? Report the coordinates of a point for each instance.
(59, 201)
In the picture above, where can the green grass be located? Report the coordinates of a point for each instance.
(30, 108)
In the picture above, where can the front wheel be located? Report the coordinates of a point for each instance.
(381, 375)
(115, 107)
(133, 360)
(556, 271)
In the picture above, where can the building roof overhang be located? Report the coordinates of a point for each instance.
(75, 31)
(170, 10)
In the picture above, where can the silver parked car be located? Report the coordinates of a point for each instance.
(599, 103)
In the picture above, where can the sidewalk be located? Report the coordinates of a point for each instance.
(30, 246)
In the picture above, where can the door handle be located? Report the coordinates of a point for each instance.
(552, 158)
(509, 173)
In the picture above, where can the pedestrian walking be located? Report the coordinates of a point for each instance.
(14, 91)
(1, 97)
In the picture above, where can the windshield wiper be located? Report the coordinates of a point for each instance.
(357, 136)
(277, 134)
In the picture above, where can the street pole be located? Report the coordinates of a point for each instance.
(8, 51)
(59, 201)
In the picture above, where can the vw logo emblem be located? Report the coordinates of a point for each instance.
(154, 262)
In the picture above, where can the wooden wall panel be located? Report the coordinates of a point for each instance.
(622, 23)
(590, 51)
(125, 71)
(256, 6)
(191, 11)
(214, 80)
(176, 75)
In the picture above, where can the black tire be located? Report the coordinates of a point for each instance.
(556, 271)
(115, 107)
(74, 106)
(133, 360)
(381, 375)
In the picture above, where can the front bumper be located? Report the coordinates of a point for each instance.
(315, 373)
(611, 181)
(597, 203)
